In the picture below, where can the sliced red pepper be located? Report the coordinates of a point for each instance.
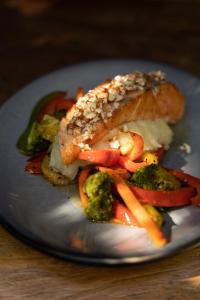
(130, 165)
(138, 146)
(123, 214)
(105, 157)
(178, 197)
(191, 181)
(33, 165)
(56, 104)
(140, 213)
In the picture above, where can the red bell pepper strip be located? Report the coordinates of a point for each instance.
(178, 197)
(130, 165)
(105, 157)
(138, 146)
(141, 215)
(33, 165)
(191, 181)
(54, 105)
(123, 214)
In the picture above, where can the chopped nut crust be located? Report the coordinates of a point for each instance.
(100, 103)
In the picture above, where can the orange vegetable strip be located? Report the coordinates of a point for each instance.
(82, 178)
(138, 146)
(142, 217)
(130, 165)
(117, 171)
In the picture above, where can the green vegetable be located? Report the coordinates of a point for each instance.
(48, 128)
(155, 177)
(154, 214)
(24, 143)
(35, 143)
(98, 189)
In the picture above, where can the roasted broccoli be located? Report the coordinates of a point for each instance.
(98, 189)
(34, 141)
(38, 136)
(48, 128)
(155, 177)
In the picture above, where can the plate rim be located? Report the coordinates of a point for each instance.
(76, 256)
(95, 259)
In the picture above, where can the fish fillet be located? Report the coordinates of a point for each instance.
(130, 97)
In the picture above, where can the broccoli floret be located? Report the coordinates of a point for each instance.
(48, 128)
(41, 134)
(98, 189)
(155, 177)
(35, 142)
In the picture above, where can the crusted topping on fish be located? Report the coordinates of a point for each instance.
(100, 103)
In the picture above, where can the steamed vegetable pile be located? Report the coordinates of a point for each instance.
(129, 188)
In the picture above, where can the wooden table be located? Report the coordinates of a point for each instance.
(41, 36)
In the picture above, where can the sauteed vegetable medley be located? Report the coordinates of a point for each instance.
(132, 189)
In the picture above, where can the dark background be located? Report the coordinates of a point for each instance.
(37, 37)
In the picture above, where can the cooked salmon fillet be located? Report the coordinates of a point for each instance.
(130, 97)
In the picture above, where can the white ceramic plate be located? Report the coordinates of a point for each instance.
(49, 218)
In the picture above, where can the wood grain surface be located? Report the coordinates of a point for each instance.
(40, 36)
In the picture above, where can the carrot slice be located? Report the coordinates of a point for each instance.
(142, 217)
(82, 178)
(138, 146)
(114, 171)
(130, 165)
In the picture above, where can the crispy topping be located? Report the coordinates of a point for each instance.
(100, 103)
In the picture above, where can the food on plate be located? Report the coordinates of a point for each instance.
(97, 187)
(43, 123)
(113, 139)
(126, 98)
(155, 177)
